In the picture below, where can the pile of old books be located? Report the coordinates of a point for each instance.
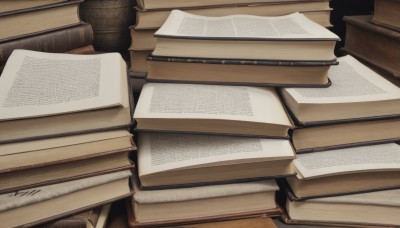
(64, 139)
(43, 25)
(209, 150)
(375, 39)
(151, 14)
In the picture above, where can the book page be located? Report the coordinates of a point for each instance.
(384, 157)
(168, 100)
(159, 152)
(293, 26)
(351, 82)
(37, 84)
(25, 197)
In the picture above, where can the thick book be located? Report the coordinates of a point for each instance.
(386, 14)
(206, 159)
(317, 11)
(345, 171)
(215, 109)
(356, 92)
(142, 39)
(139, 60)
(61, 200)
(172, 4)
(373, 44)
(256, 222)
(245, 37)
(366, 209)
(57, 41)
(345, 134)
(202, 204)
(16, 24)
(9, 6)
(239, 72)
(75, 93)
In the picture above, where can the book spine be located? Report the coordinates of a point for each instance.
(373, 28)
(56, 42)
(82, 50)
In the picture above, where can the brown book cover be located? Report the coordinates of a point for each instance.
(40, 7)
(287, 220)
(86, 50)
(386, 14)
(257, 222)
(58, 41)
(375, 45)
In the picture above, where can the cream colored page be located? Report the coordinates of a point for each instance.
(35, 84)
(159, 152)
(384, 157)
(351, 82)
(25, 197)
(190, 101)
(292, 26)
(41, 144)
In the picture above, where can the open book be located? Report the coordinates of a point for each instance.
(174, 159)
(235, 110)
(356, 92)
(341, 171)
(290, 37)
(74, 93)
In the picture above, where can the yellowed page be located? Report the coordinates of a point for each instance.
(35, 84)
(159, 152)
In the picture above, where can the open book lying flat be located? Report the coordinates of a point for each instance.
(380, 208)
(186, 159)
(44, 94)
(344, 171)
(356, 92)
(291, 37)
(234, 110)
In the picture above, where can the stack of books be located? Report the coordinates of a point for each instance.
(64, 139)
(45, 25)
(348, 164)
(151, 14)
(213, 152)
(375, 39)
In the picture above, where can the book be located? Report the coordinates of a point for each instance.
(244, 37)
(317, 11)
(373, 44)
(51, 151)
(231, 110)
(139, 60)
(137, 81)
(142, 39)
(36, 89)
(94, 218)
(345, 171)
(57, 41)
(182, 159)
(159, 4)
(61, 172)
(357, 92)
(89, 49)
(257, 222)
(343, 135)
(386, 14)
(202, 204)
(367, 209)
(31, 21)
(237, 71)
(10, 5)
(57, 201)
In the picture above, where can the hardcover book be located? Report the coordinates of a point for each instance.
(244, 37)
(386, 14)
(232, 110)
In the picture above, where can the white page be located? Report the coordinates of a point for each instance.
(159, 152)
(383, 157)
(191, 101)
(293, 26)
(37, 84)
(351, 82)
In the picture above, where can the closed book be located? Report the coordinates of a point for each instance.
(57, 41)
(373, 44)
(386, 14)
(36, 20)
(89, 49)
